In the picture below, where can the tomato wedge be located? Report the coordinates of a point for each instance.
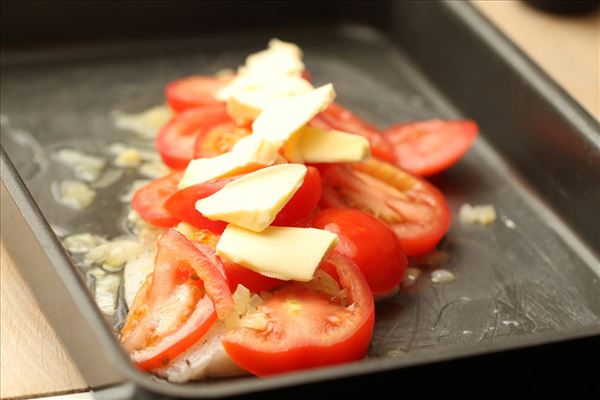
(219, 139)
(415, 210)
(149, 200)
(175, 142)
(370, 243)
(194, 92)
(339, 118)
(177, 305)
(304, 200)
(306, 329)
(182, 205)
(428, 147)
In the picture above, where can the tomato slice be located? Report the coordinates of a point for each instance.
(182, 205)
(306, 329)
(177, 305)
(219, 139)
(415, 210)
(370, 243)
(255, 282)
(180, 251)
(342, 119)
(175, 142)
(149, 200)
(429, 147)
(304, 200)
(194, 92)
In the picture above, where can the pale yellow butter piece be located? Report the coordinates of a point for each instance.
(314, 145)
(247, 104)
(248, 150)
(254, 200)
(284, 116)
(277, 252)
(279, 60)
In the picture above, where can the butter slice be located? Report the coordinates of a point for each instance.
(278, 252)
(279, 60)
(254, 200)
(247, 104)
(315, 145)
(247, 152)
(285, 116)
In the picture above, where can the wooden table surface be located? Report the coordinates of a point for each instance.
(32, 360)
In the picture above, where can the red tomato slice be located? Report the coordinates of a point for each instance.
(370, 243)
(149, 200)
(304, 200)
(182, 205)
(175, 142)
(415, 210)
(342, 119)
(171, 312)
(429, 147)
(180, 251)
(255, 282)
(219, 139)
(189, 333)
(194, 92)
(306, 329)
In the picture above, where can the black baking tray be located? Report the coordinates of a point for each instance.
(525, 293)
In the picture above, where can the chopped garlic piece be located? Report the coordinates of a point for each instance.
(146, 124)
(113, 255)
(410, 276)
(323, 282)
(106, 293)
(482, 214)
(128, 158)
(442, 276)
(246, 305)
(153, 169)
(74, 194)
(86, 167)
(135, 273)
(109, 177)
(145, 154)
(82, 242)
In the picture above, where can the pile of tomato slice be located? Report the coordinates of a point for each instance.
(382, 210)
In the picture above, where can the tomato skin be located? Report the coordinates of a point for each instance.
(415, 210)
(194, 92)
(255, 282)
(304, 200)
(149, 200)
(177, 304)
(342, 119)
(426, 148)
(197, 325)
(182, 205)
(176, 140)
(305, 329)
(370, 243)
(180, 250)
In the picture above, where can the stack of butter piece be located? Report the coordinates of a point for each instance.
(270, 91)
